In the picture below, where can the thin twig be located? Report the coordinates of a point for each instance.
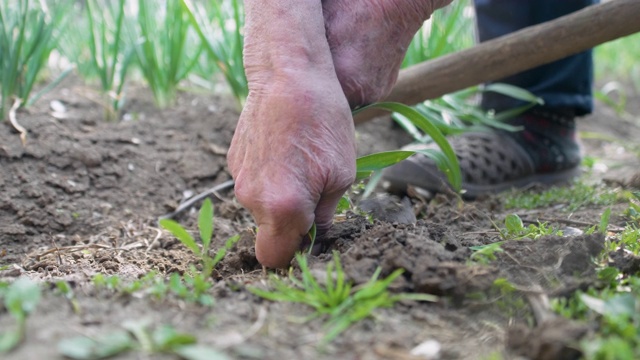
(14, 121)
(75, 248)
(195, 199)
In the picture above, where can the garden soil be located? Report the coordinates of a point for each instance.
(83, 196)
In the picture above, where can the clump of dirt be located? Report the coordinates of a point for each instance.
(553, 264)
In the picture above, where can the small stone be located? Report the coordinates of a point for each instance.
(429, 349)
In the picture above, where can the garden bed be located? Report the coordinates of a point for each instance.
(83, 198)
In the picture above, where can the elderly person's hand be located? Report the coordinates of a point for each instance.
(293, 153)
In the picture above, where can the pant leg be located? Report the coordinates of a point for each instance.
(566, 83)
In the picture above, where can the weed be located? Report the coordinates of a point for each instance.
(613, 302)
(573, 197)
(449, 30)
(446, 159)
(136, 335)
(336, 298)
(205, 225)
(484, 254)
(20, 299)
(224, 41)
(65, 289)
(515, 229)
(617, 311)
(109, 54)
(509, 300)
(167, 51)
(28, 34)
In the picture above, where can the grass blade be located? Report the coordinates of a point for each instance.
(179, 232)
(205, 224)
(449, 163)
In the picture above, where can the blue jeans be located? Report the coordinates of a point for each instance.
(566, 83)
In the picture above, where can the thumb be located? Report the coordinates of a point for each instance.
(280, 233)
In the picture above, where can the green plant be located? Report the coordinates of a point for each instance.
(99, 47)
(205, 225)
(65, 289)
(616, 309)
(445, 159)
(484, 254)
(515, 229)
(20, 300)
(219, 25)
(28, 34)
(167, 49)
(137, 336)
(617, 60)
(575, 196)
(458, 112)
(449, 30)
(336, 298)
(198, 282)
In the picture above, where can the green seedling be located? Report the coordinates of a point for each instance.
(613, 303)
(633, 211)
(136, 336)
(484, 254)
(205, 225)
(515, 229)
(167, 50)
(336, 298)
(96, 43)
(108, 282)
(573, 197)
(28, 34)
(510, 301)
(219, 25)
(65, 289)
(20, 300)
(198, 282)
(445, 159)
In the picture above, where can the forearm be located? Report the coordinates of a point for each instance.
(285, 35)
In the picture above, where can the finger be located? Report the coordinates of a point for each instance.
(281, 228)
(325, 211)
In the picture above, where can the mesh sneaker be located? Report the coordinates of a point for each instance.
(546, 151)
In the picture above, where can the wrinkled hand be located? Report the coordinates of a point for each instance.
(293, 152)
(369, 39)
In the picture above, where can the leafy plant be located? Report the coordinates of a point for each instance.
(167, 51)
(458, 112)
(20, 300)
(515, 229)
(445, 159)
(28, 34)
(198, 281)
(219, 25)
(205, 225)
(484, 254)
(337, 298)
(137, 336)
(98, 46)
(65, 289)
(448, 31)
(616, 309)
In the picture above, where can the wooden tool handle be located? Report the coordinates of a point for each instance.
(519, 51)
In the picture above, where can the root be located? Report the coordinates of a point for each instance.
(15, 124)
